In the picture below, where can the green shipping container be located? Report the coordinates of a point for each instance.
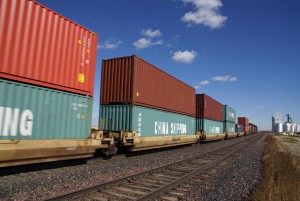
(229, 114)
(147, 122)
(209, 126)
(229, 127)
(29, 112)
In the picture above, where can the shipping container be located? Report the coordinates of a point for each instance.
(147, 122)
(239, 128)
(229, 114)
(131, 80)
(41, 47)
(229, 127)
(246, 128)
(243, 121)
(208, 108)
(28, 112)
(209, 126)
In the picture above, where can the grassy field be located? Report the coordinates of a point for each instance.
(281, 171)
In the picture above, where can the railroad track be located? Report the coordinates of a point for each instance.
(168, 182)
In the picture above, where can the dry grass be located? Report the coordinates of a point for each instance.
(281, 174)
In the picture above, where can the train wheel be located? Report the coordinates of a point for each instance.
(110, 151)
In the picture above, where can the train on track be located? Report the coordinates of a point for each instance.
(46, 85)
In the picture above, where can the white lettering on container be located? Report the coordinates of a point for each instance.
(162, 128)
(11, 121)
(213, 129)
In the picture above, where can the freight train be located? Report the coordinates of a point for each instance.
(46, 96)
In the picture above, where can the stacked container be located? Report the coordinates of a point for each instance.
(229, 116)
(138, 97)
(209, 117)
(239, 129)
(245, 122)
(47, 65)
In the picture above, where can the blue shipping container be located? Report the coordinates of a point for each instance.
(229, 127)
(239, 128)
(209, 126)
(147, 122)
(29, 112)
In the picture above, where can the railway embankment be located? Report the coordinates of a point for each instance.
(281, 169)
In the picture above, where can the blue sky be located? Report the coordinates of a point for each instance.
(242, 53)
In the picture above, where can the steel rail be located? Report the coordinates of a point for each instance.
(165, 188)
(186, 177)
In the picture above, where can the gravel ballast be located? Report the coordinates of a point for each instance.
(234, 179)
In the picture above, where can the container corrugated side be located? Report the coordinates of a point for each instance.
(131, 80)
(41, 47)
(30, 112)
(147, 122)
(243, 120)
(229, 127)
(209, 126)
(208, 108)
(229, 114)
(239, 128)
(246, 128)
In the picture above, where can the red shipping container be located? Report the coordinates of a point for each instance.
(41, 47)
(243, 120)
(131, 80)
(208, 108)
(246, 128)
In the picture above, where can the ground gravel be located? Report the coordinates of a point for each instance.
(234, 181)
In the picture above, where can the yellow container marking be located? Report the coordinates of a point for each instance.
(81, 77)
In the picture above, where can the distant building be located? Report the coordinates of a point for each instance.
(277, 119)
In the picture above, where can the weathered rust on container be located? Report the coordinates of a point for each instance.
(208, 108)
(131, 80)
(41, 47)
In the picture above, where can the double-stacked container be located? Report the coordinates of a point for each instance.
(229, 116)
(209, 117)
(139, 97)
(47, 65)
(244, 121)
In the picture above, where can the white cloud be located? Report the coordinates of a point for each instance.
(146, 42)
(150, 33)
(202, 83)
(142, 43)
(205, 82)
(184, 56)
(225, 78)
(109, 44)
(206, 12)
